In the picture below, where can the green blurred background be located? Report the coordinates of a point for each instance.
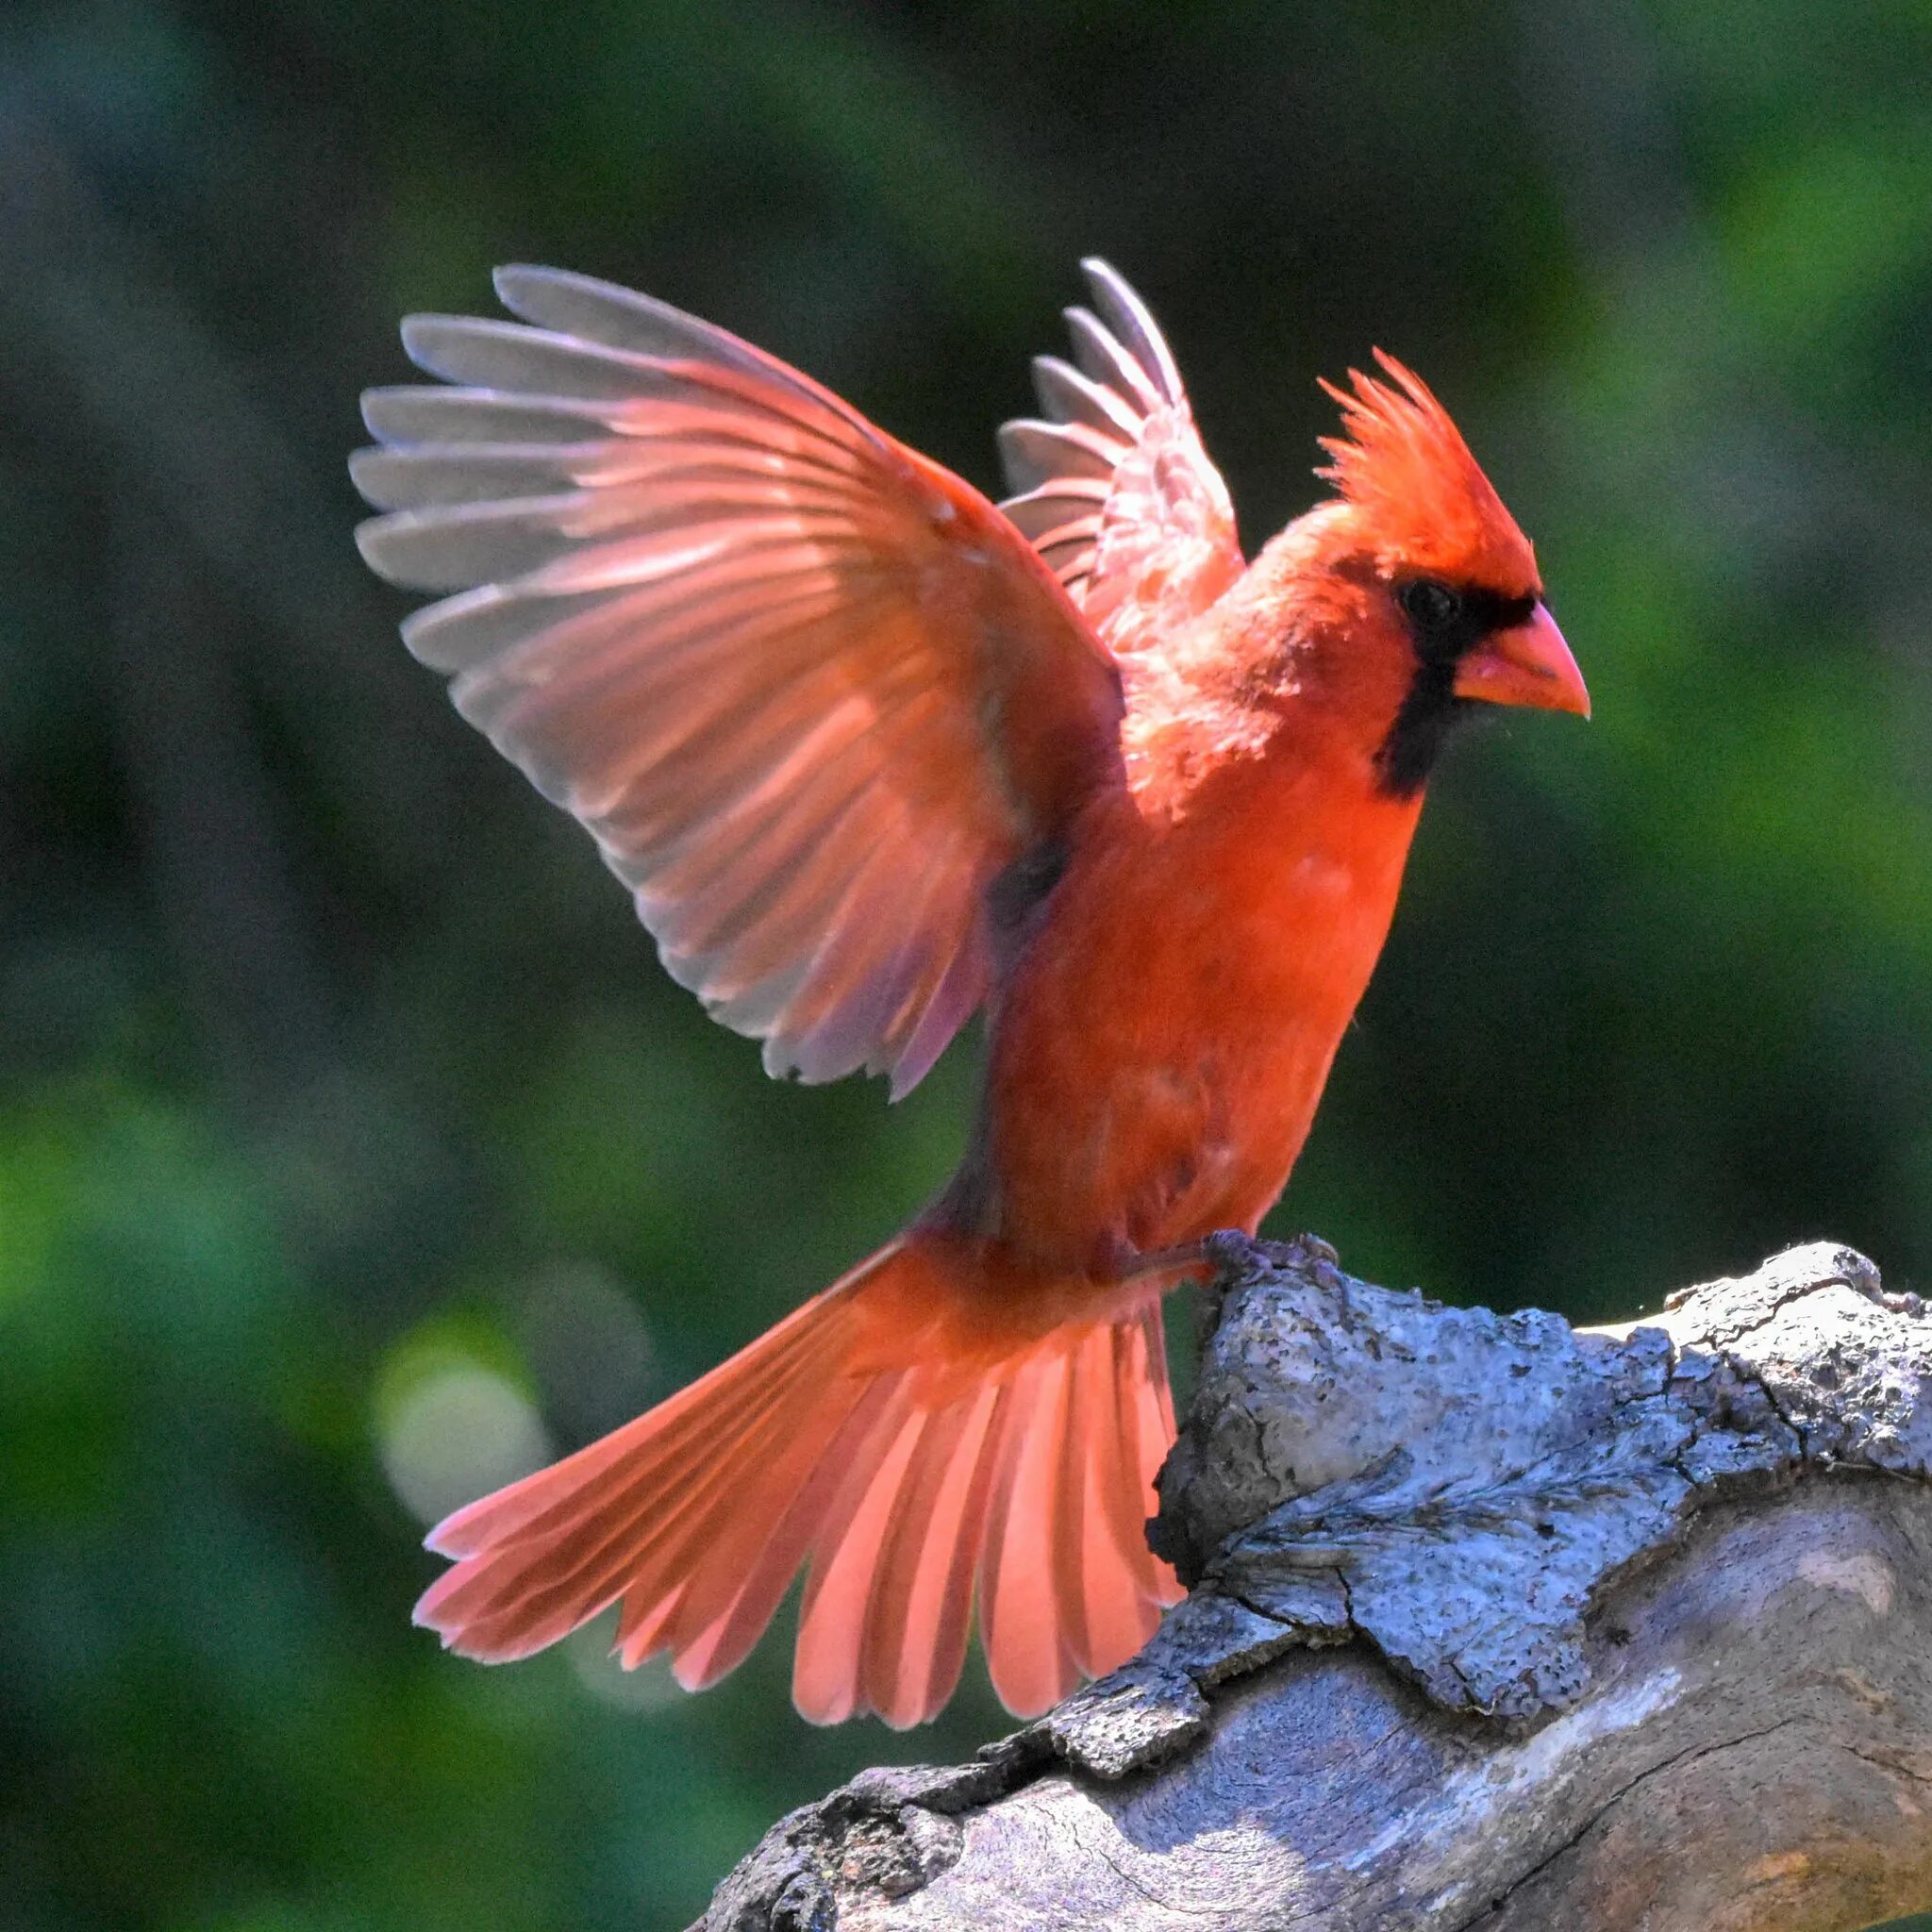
(354, 1153)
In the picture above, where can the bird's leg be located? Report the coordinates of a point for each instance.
(1138, 1265)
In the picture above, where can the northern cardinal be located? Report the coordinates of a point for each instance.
(873, 753)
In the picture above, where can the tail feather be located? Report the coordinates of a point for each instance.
(1126, 1584)
(640, 1628)
(537, 1589)
(723, 1527)
(746, 1573)
(1105, 1565)
(1144, 1382)
(897, 1632)
(637, 1557)
(908, 1482)
(938, 1613)
(838, 1592)
(504, 1512)
(1085, 1570)
(547, 1553)
(1020, 1624)
(1121, 1513)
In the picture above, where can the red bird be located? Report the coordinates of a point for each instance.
(873, 753)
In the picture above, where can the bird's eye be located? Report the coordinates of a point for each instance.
(1432, 608)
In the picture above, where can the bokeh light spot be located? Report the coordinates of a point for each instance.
(456, 1433)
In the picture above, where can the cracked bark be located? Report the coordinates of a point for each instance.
(1493, 1622)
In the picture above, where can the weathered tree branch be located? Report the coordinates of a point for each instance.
(1493, 1622)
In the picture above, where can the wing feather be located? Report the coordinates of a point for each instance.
(810, 693)
(1115, 491)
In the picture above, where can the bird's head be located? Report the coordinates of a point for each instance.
(1448, 609)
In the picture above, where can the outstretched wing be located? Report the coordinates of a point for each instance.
(810, 692)
(1116, 492)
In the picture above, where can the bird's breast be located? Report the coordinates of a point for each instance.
(1157, 1052)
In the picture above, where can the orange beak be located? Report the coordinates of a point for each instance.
(1527, 664)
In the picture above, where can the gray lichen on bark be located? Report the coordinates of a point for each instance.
(1534, 1573)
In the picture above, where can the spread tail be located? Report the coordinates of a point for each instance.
(909, 1475)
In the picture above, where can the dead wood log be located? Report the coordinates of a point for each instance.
(1493, 1622)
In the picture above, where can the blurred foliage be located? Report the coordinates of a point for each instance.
(350, 1138)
